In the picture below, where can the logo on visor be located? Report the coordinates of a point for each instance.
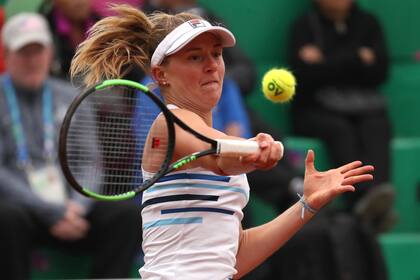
(196, 23)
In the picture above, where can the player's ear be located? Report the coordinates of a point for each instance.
(159, 75)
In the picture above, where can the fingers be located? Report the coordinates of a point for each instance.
(264, 140)
(357, 174)
(310, 162)
(269, 154)
(70, 230)
(81, 224)
(77, 221)
(357, 179)
(359, 171)
(349, 166)
(75, 207)
(346, 188)
(65, 231)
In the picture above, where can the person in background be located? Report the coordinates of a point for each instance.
(2, 18)
(338, 53)
(37, 208)
(69, 21)
(102, 7)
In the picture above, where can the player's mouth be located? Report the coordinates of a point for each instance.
(211, 83)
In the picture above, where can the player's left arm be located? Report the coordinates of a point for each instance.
(266, 239)
(319, 189)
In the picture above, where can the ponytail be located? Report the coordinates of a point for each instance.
(117, 43)
(113, 44)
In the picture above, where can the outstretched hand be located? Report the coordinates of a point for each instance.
(322, 187)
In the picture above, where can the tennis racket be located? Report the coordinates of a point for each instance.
(107, 138)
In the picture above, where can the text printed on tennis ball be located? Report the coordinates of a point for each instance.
(274, 87)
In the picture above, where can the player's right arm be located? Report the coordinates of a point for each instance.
(186, 144)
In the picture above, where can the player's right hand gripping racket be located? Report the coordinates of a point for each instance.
(105, 141)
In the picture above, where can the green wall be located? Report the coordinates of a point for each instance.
(15, 6)
(261, 29)
(262, 32)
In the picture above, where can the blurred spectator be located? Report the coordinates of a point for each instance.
(102, 6)
(37, 208)
(338, 53)
(2, 17)
(230, 115)
(69, 21)
(238, 66)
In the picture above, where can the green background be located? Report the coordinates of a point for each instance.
(261, 28)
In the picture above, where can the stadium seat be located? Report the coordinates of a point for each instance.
(48, 263)
(403, 93)
(298, 147)
(406, 178)
(266, 38)
(402, 253)
(400, 26)
(261, 211)
(53, 264)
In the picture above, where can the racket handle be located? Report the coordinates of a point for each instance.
(228, 147)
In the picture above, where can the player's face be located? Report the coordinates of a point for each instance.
(195, 73)
(29, 65)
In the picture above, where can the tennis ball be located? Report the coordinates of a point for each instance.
(278, 85)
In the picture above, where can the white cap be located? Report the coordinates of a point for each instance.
(185, 33)
(25, 28)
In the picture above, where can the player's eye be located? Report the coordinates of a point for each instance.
(195, 57)
(217, 54)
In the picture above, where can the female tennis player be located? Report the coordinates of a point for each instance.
(192, 218)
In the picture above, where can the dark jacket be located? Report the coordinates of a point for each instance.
(342, 66)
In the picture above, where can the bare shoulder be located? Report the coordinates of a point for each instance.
(188, 117)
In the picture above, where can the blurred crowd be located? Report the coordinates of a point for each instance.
(339, 56)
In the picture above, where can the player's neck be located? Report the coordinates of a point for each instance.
(205, 115)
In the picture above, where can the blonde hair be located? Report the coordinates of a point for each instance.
(115, 44)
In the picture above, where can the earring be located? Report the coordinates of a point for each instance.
(164, 83)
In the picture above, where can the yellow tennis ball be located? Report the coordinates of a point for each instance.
(278, 85)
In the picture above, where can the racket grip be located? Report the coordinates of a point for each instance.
(228, 147)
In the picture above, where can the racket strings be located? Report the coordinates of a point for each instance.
(107, 139)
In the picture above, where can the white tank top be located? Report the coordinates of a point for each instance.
(191, 223)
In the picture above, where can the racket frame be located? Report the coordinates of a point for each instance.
(62, 150)
(166, 167)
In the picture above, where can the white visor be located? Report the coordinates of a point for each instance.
(186, 32)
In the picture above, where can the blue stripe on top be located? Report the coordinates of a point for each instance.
(175, 221)
(194, 185)
(195, 176)
(196, 209)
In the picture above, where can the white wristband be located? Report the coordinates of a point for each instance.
(305, 206)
